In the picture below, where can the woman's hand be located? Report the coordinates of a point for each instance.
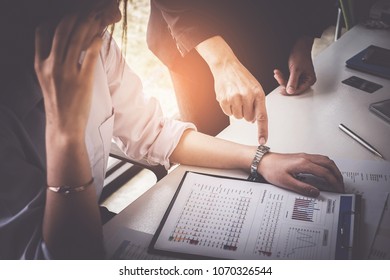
(66, 83)
(71, 224)
(282, 169)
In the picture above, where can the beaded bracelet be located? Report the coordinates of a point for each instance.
(68, 190)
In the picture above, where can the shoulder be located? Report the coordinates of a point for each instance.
(110, 51)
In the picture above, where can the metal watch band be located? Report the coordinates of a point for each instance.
(260, 152)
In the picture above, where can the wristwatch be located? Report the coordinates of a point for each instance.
(260, 152)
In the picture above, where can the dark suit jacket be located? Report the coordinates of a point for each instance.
(257, 30)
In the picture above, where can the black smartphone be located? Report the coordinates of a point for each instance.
(381, 109)
(377, 56)
(362, 84)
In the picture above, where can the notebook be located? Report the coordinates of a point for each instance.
(228, 218)
(373, 60)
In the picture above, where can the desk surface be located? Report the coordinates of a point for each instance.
(309, 122)
(305, 123)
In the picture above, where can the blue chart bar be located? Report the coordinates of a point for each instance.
(304, 209)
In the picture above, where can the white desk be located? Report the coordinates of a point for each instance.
(307, 123)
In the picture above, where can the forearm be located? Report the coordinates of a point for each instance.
(217, 53)
(198, 149)
(305, 43)
(72, 226)
(279, 169)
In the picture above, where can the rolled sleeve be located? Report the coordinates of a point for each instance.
(189, 29)
(169, 136)
(189, 22)
(140, 129)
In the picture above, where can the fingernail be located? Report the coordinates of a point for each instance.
(290, 90)
(262, 141)
(314, 192)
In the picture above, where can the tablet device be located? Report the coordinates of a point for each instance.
(381, 109)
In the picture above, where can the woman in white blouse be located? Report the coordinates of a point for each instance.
(90, 100)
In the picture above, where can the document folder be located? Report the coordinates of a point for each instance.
(228, 218)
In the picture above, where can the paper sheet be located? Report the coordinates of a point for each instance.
(236, 219)
(371, 179)
(380, 249)
(129, 244)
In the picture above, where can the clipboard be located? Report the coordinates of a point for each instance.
(348, 229)
(217, 217)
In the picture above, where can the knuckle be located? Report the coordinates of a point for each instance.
(328, 160)
(248, 117)
(325, 157)
(236, 99)
(293, 67)
(37, 66)
(261, 117)
(45, 72)
(224, 103)
(221, 98)
(260, 100)
(257, 89)
(302, 155)
(302, 161)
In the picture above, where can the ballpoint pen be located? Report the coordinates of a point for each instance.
(358, 139)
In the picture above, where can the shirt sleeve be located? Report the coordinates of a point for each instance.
(189, 22)
(140, 129)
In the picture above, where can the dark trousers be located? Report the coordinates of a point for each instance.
(194, 88)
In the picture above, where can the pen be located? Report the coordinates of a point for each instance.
(357, 138)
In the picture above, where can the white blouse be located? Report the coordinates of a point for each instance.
(121, 112)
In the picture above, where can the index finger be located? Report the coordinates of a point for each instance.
(42, 42)
(261, 119)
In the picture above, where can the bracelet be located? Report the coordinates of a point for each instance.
(260, 152)
(68, 190)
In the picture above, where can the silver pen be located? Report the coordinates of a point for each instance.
(359, 140)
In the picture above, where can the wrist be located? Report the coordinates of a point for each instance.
(261, 151)
(216, 52)
(67, 160)
(305, 42)
(60, 136)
